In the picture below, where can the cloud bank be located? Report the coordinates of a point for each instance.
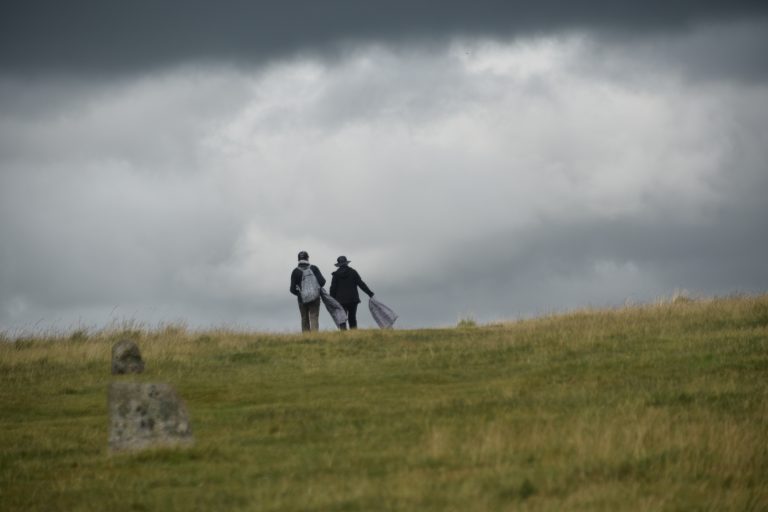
(484, 176)
(96, 37)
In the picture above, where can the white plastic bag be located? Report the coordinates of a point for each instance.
(334, 308)
(382, 315)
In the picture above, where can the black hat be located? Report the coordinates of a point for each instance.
(303, 255)
(342, 260)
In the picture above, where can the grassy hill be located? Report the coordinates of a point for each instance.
(658, 407)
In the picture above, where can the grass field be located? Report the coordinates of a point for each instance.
(656, 407)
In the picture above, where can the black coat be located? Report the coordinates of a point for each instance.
(344, 285)
(296, 275)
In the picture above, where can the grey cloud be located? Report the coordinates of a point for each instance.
(601, 263)
(522, 178)
(129, 120)
(104, 37)
(721, 51)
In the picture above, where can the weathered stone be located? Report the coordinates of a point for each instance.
(146, 415)
(126, 357)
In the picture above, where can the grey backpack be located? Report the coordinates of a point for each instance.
(310, 288)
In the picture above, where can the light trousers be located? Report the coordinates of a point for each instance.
(310, 314)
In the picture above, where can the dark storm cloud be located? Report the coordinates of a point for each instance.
(103, 36)
(492, 177)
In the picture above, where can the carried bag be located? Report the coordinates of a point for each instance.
(335, 309)
(310, 288)
(382, 315)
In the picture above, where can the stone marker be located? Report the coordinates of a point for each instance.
(126, 357)
(146, 415)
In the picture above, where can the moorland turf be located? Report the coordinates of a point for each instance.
(655, 407)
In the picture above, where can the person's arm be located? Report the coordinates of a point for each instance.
(294, 289)
(362, 285)
(319, 276)
(334, 286)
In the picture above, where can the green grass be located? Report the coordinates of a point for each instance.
(658, 407)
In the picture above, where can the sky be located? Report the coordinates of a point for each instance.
(163, 162)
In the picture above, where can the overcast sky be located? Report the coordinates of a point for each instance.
(165, 161)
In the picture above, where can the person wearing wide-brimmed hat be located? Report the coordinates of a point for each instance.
(344, 284)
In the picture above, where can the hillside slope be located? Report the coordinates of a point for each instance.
(659, 407)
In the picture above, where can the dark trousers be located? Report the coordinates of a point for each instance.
(351, 310)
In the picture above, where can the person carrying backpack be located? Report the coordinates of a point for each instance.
(344, 285)
(306, 281)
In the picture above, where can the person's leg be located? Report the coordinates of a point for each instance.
(304, 311)
(352, 315)
(314, 315)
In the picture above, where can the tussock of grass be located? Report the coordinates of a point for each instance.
(653, 407)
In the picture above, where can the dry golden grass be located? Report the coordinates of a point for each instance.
(649, 407)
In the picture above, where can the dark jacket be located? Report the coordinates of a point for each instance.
(344, 285)
(296, 279)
